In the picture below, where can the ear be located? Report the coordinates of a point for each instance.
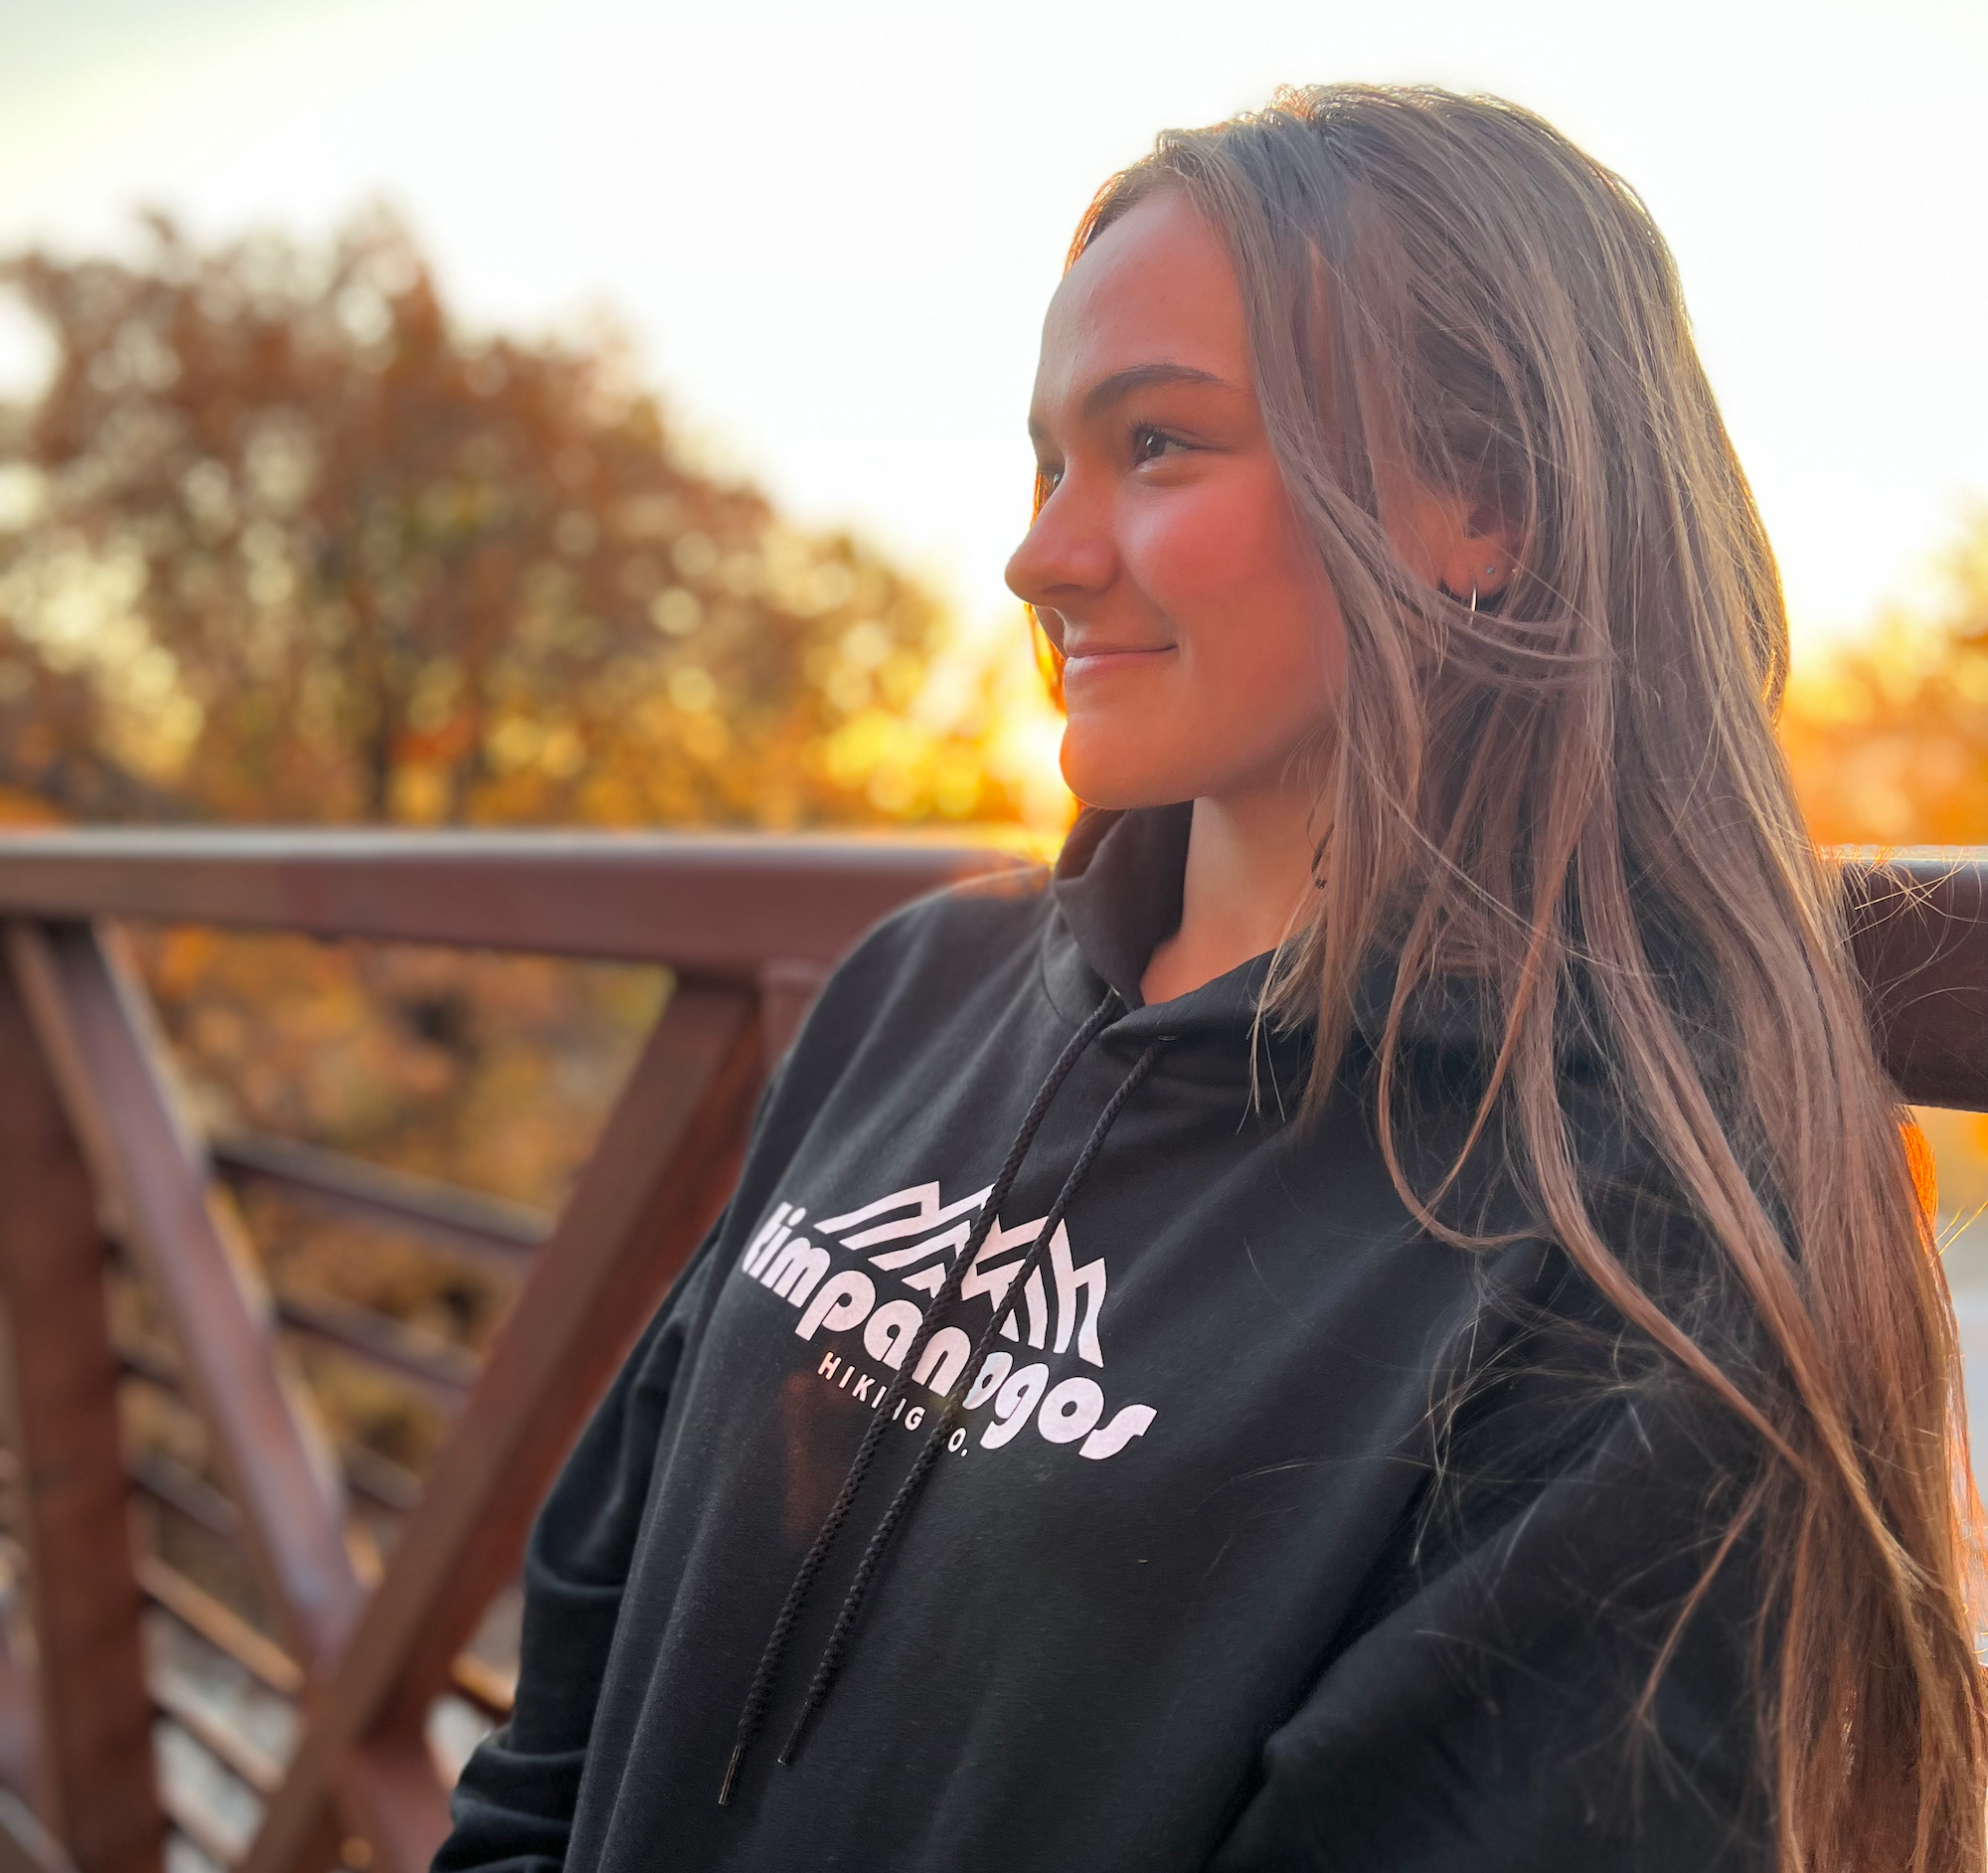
(1462, 544)
(1472, 550)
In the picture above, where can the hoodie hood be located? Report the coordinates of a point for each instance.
(1117, 884)
(1116, 887)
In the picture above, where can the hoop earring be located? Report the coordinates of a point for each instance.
(1473, 598)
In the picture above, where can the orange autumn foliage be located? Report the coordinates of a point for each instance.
(282, 542)
(1888, 736)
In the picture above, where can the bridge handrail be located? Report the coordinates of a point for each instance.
(98, 1170)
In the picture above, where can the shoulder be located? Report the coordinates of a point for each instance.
(960, 933)
(959, 960)
(924, 958)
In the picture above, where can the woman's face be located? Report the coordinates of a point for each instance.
(1202, 644)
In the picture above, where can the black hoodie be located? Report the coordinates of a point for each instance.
(1270, 1531)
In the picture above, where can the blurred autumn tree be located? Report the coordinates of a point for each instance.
(279, 543)
(1888, 736)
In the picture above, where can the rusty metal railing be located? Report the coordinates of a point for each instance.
(98, 1168)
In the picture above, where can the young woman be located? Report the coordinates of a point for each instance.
(1378, 1318)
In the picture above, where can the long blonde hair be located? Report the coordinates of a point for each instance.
(1576, 790)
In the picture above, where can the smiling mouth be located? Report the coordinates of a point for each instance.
(1112, 656)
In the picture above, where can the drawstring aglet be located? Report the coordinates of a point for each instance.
(731, 1775)
(793, 1743)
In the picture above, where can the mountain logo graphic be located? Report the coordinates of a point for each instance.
(938, 1232)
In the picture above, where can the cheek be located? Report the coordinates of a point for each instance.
(1242, 587)
(1197, 544)
(1223, 569)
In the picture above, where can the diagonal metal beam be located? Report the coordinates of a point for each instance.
(95, 1030)
(665, 1163)
(392, 1798)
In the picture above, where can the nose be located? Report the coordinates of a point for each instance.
(1067, 555)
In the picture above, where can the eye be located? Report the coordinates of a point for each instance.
(1151, 444)
(1048, 474)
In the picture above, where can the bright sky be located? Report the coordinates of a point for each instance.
(833, 227)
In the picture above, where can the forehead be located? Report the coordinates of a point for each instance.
(1157, 286)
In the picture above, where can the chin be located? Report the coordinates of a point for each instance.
(1112, 776)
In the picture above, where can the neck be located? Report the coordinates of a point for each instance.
(1248, 877)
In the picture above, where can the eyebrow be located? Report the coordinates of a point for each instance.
(1120, 384)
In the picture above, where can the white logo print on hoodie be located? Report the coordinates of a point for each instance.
(792, 1267)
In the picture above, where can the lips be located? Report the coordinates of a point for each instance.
(1089, 659)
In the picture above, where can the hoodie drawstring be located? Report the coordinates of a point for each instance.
(950, 1411)
(752, 1714)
